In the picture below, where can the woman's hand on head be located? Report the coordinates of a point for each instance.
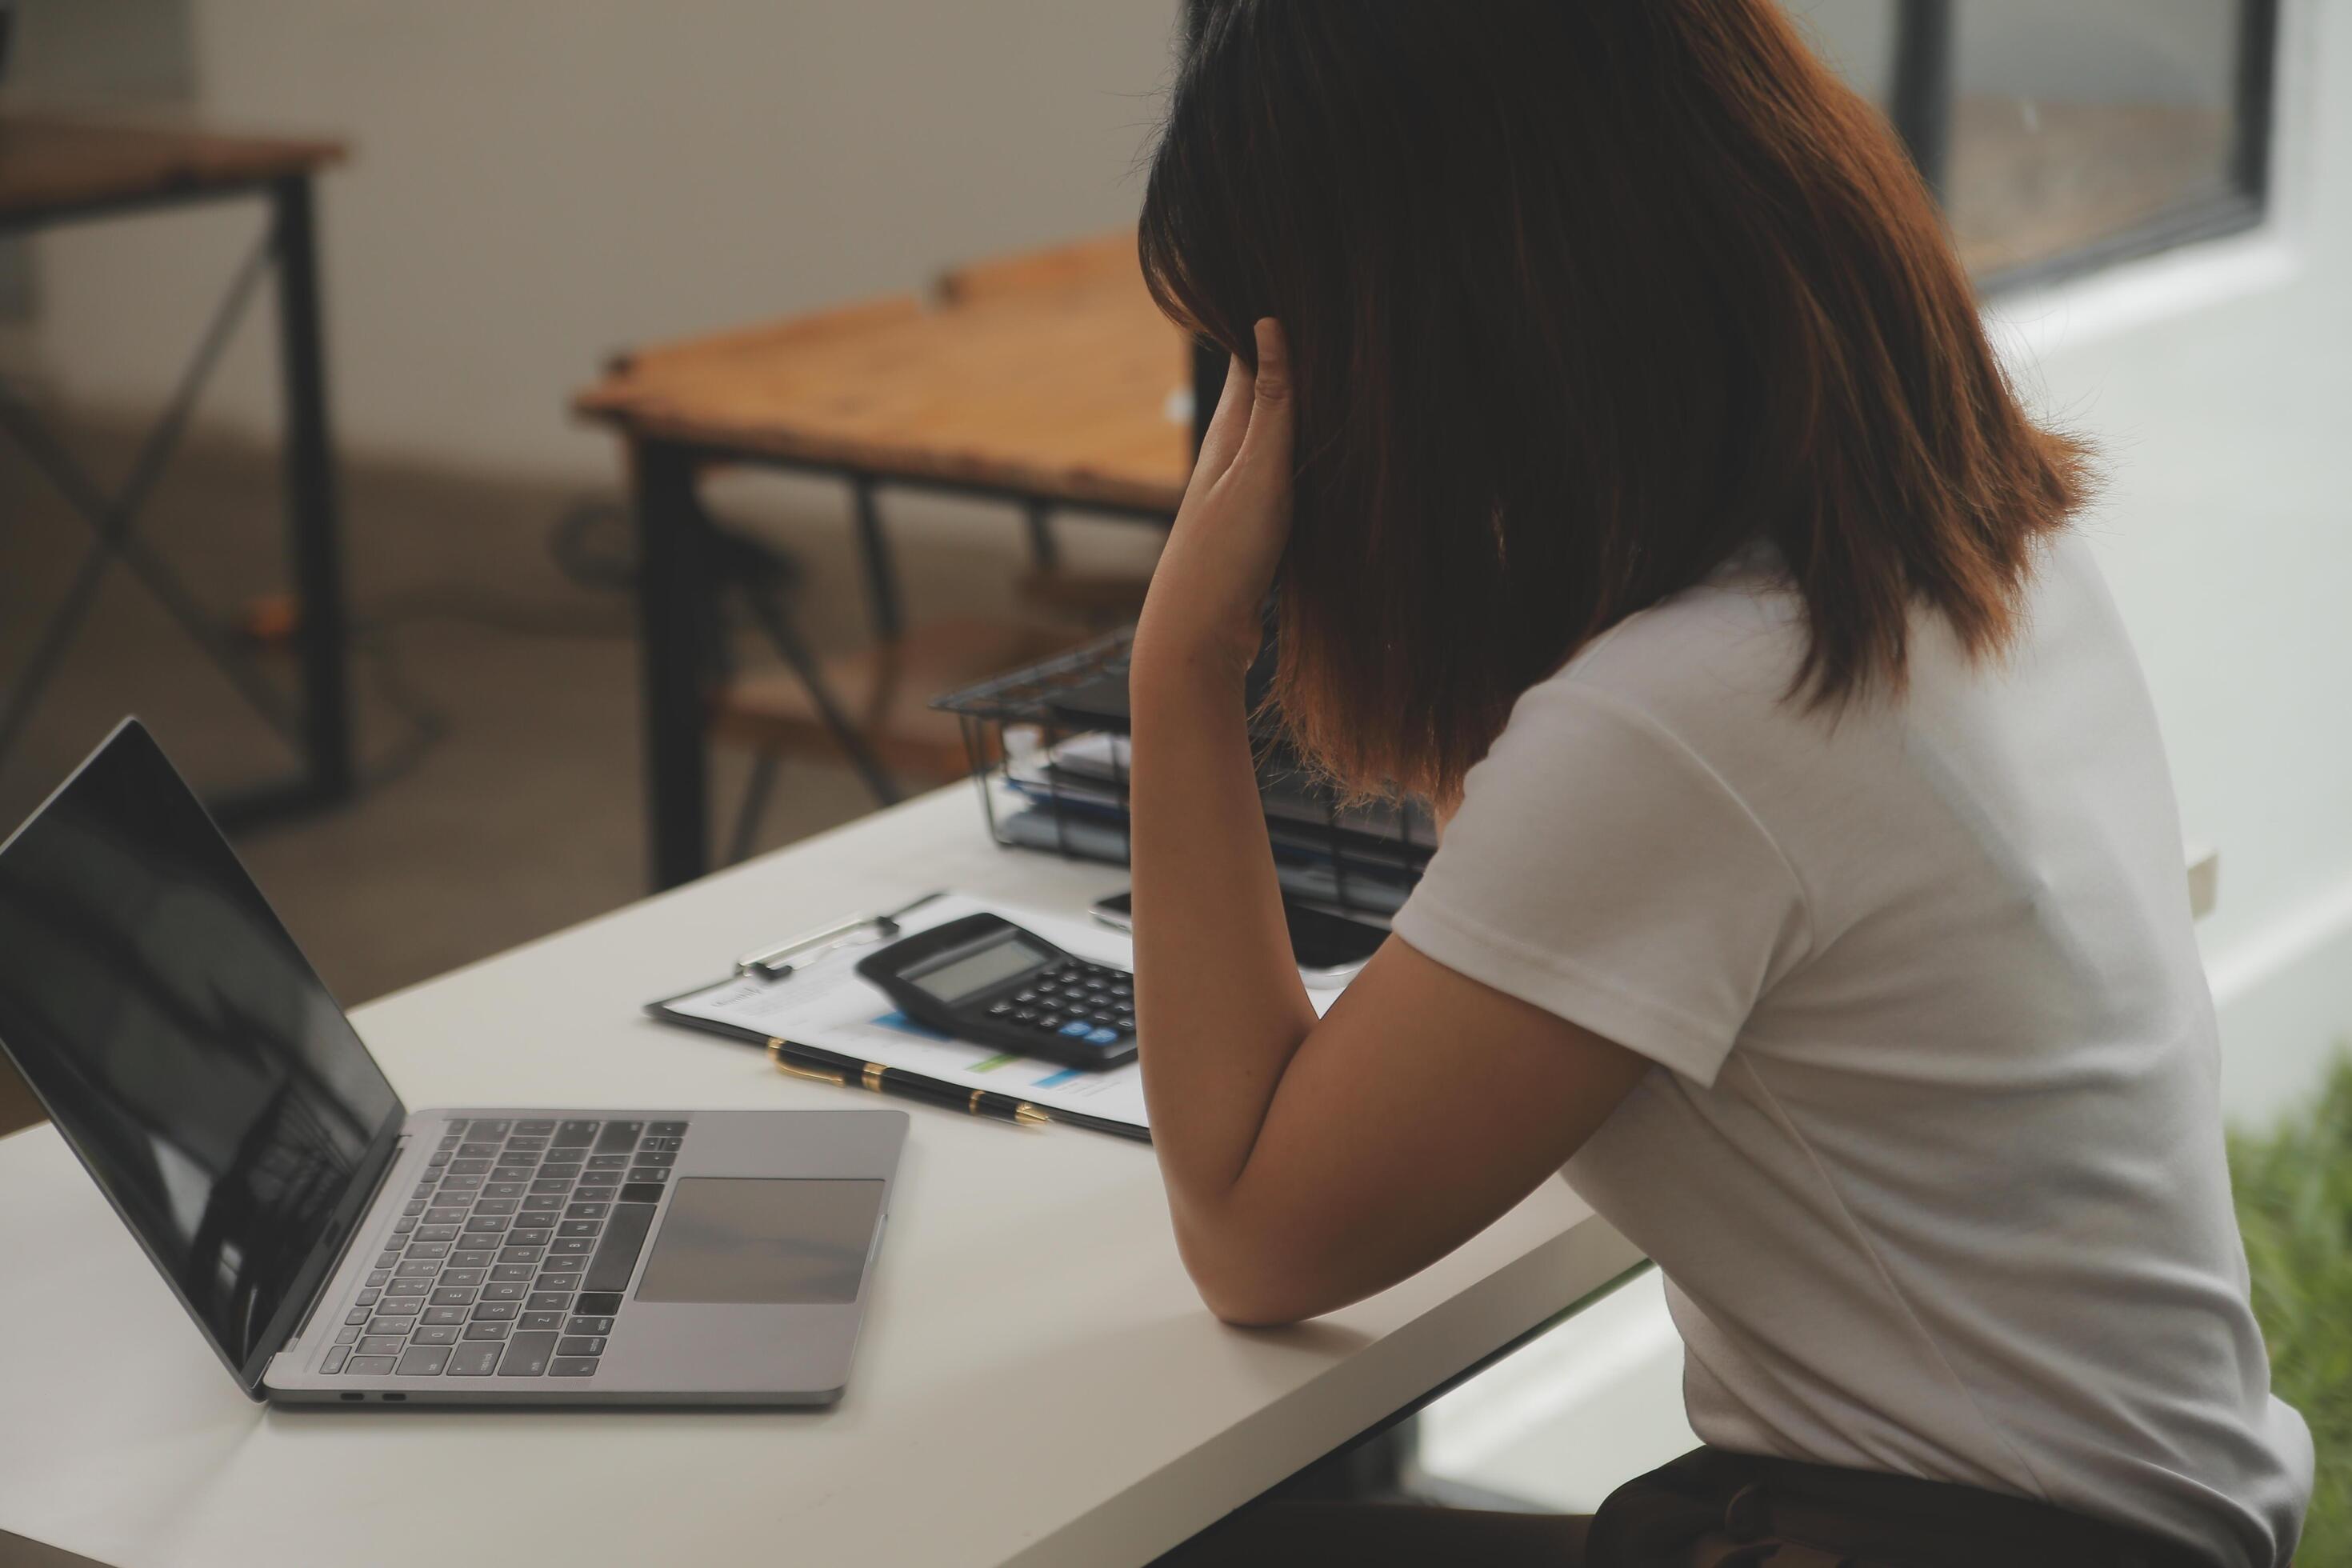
(1202, 612)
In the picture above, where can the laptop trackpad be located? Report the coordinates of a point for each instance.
(762, 1240)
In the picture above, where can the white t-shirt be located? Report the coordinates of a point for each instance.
(1932, 1161)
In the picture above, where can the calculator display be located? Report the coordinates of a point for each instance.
(990, 966)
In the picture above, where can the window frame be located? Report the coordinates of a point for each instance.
(1921, 99)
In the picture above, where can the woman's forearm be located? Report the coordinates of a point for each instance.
(1219, 1003)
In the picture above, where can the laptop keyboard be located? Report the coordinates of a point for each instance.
(509, 1258)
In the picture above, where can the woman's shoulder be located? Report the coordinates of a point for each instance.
(1726, 649)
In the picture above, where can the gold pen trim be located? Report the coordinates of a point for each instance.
(972, 1105)
(820, 1075)
(1029, 1115)
(872, 1078)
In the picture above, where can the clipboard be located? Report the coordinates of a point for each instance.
(804, 999)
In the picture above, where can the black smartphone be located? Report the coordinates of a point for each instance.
(1325, 946)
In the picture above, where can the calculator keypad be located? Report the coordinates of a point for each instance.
(1082, 1001)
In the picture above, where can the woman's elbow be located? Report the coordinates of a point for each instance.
(1249, 1284)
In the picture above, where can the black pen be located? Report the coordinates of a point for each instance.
(803, 1063)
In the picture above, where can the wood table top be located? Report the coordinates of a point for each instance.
(1048, 375)
(52, 165)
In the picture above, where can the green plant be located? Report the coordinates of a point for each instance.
(2294, 1206)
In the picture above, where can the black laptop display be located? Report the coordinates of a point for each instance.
(185, 1048)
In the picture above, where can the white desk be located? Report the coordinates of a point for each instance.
(1038, 1384)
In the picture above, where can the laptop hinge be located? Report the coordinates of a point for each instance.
(359, 1227)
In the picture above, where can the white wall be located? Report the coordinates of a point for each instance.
(2218, 385)
(538, 182)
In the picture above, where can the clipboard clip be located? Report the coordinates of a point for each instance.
(862, 930)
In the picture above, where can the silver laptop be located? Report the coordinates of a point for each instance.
(336, 1247)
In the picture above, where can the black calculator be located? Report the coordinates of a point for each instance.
(985, 980)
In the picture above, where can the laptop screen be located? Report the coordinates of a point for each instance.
(184, 1048)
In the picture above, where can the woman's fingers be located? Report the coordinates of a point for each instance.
(1266, 444)
(1223, 438)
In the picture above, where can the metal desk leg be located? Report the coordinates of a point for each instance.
(673, 610)
(314, 523)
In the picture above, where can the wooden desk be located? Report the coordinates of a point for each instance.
(56, 171)
(1037, 1383)
(1043, 380)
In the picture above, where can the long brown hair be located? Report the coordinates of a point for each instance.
(1582, 296)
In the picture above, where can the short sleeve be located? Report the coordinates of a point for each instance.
(1600, 870)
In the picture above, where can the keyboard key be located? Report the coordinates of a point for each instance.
(573, 1366)
(424, 1189)
(589, 1326)
(648, 1173)
(663, 1145)
(569, 1246)
(496, 1205)
(372, 1365)
(399, 1307)
(577, 1228)
(580, 1344)
(489, 1224)
(543, 1203)
(597, 1185)
(334, 1361)
(475, 1360)
(533, 1236)
(379, 1324)
(347, 1336)
(496, 1312)
(535, 1129)
(534, 1145)
(379, 1276)
(586, 1211)
(440, 1161)
(409, 1285)
(516, 1164)
(445, 1314)
(428, 1249)
(444, 1214)
(440, 1235)
(477, 1151)
(504, 1291)
(1077, 1029)
(469, 1167)
(382, 1345)
(668, 1128)
(564, 1169)
(567, 1283)
(423, 1361)
(547, 1302)
(528, 1354)
(434, 1334)
(369, 1297)
(388, 1259)
(487, 1331)
(535, 1321)
(551, 1187)
(414, 1208)
(463, 1276)
(489, 1129)
(620, 1135)
(454, 1296)
(403, 1226)
(505, 1189)
(605, 1303)
(519, 1254)
(519, 1272)
(608, 1161)
(456, 1189)
(641, 1193)
(576, 1134)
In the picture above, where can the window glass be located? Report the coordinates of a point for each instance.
(2063, 135)
(2073, 123)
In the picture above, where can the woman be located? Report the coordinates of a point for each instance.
(1614, 425)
